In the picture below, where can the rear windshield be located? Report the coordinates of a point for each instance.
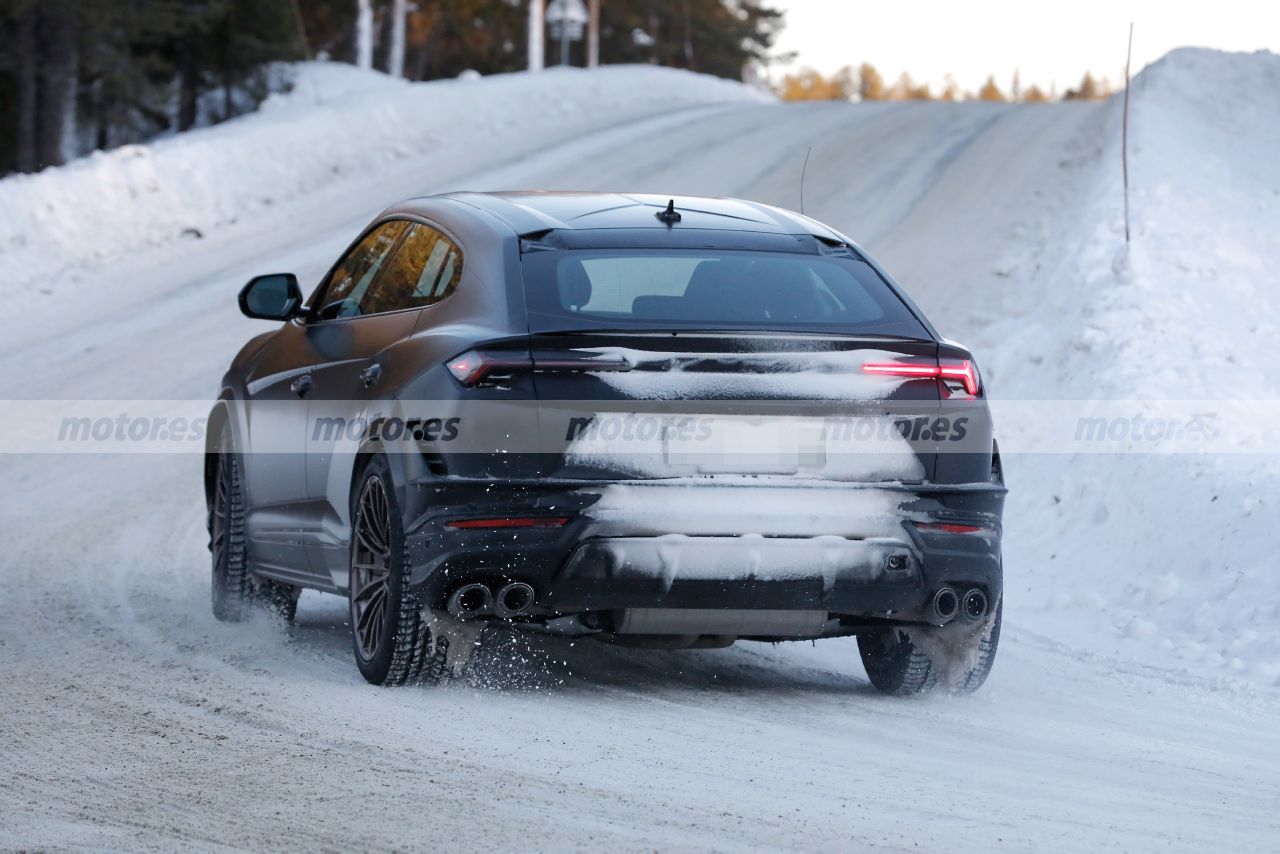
(708, 289)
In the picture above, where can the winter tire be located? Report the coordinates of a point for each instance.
(896, 664)
(393, 642)
(231, 591)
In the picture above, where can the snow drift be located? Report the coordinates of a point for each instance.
(1167, 560)
(337, 124)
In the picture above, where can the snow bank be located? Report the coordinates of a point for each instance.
(338, 123)
(1162, 560)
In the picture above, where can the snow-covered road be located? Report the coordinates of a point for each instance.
(130, 718)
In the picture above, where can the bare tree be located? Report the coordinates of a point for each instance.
(593, 34)
(364, 33)
(57, 28)
(537, 16)
(395, 57)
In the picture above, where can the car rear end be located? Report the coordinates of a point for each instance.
(720, 435)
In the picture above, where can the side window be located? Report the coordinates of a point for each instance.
(354, 275)
(425, 269)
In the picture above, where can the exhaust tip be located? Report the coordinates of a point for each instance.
(513, 600)
(975, 604)
(470, 600)
(945, 604)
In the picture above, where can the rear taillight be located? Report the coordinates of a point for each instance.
(954, 528)
(963, 371)
(475, 368)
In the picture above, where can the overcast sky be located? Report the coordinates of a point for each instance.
(1047, 42)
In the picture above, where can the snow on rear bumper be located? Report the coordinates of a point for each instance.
(748, 543)
(749, 571)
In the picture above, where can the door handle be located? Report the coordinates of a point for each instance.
(301, 386)
(369, 376)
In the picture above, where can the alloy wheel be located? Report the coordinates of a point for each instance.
(221, 513)
(370, 567)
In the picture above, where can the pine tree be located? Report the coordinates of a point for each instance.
(907, 89)
(719, 37)
(38, 80)
(126, 70)
(809, 85)
(870, 84)
(990, 91)
(1089, 89)
(24, 26)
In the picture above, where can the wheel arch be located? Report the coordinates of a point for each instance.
(219, 418)
(404, 466)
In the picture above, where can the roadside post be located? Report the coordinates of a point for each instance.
(567, 20)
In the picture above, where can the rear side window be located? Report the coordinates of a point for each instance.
(355, 273)
(424, 269)
(711, 289)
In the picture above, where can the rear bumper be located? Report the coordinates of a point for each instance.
(853, 550)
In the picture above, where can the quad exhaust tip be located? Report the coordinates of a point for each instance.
(975, 605)
(513, 600)
(470, 600)
(945, 604)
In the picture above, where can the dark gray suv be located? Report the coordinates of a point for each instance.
(649, 421)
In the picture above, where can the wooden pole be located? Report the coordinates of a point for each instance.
(1124, 135)
(593, 34)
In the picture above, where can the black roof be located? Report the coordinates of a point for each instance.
(531, 212)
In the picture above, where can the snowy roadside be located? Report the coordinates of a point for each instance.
(337, 127)
(1165, 561)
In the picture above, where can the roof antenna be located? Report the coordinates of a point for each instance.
(670, 216)
(803, 170)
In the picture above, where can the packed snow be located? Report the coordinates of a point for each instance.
(336, 127)
(1167, 559)
(1133, 701)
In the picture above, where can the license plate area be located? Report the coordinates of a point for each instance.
(748, 445)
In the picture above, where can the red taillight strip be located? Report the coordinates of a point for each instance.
(511, 522)
(900, 369)
(953, 528)
(963, 370)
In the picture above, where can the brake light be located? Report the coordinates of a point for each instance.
(963, 370)
(953, 528)
(467, 368)
(511, 522)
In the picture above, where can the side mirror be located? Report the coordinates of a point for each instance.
(272, 297)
